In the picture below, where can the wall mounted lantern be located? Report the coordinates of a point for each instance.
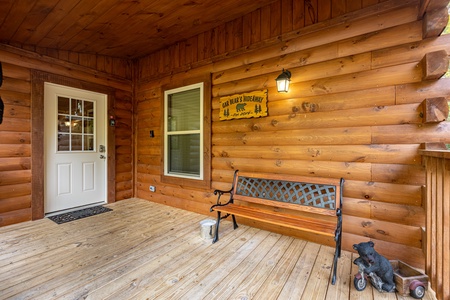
(283, 81)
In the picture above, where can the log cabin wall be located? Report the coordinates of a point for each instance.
(20, 185)
(355, 110)
(100, 63)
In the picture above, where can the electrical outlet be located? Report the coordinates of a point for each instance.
(152, 188)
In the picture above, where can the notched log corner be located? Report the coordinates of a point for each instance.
(434, 65)
(434, 110)
(434, 22)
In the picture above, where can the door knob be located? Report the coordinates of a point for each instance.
(102, 156)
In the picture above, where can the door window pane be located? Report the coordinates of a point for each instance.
(88, 109)
(63, 106)
(77, 107)
(76, 125)
(77, 142)
(63, 142)
(88, 142)
(63, 123)
(89, 126)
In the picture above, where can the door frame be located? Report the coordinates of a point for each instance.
(38, 78)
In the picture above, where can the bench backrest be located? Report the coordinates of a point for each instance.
(311, 194)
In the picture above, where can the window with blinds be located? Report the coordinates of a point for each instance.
(183, 132)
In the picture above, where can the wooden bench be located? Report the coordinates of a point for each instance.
(268, 197)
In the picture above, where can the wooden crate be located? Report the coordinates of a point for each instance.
(407, 278)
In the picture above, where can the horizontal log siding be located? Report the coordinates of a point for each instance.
(16, 129)
(123, 112)
(111, 65)
(15, 146)
(353, 111)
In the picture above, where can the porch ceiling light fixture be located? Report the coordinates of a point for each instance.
(283, 81)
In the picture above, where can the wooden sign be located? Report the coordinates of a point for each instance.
(243, 106)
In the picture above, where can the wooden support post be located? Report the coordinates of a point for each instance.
(434, 65)
(435, 110)
(434, 22)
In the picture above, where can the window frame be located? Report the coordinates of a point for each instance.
(168, 134)
(70, 134)
(205, 121)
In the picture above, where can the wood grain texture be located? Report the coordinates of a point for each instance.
(21, 132)
(162, 256)
(435, 110)
(353, 111)
(438, 222)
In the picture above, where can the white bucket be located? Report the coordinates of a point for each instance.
(207, 229)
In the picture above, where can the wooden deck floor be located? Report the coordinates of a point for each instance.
(143, 250)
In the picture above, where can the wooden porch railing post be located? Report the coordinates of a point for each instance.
(437, 245)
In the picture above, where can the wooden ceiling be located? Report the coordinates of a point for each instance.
(117, 28)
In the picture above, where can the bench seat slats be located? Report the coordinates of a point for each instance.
(311, 209)
(311, 225)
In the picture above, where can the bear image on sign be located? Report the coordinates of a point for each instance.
(240, 106)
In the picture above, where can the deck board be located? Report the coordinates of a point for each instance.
(144, 250)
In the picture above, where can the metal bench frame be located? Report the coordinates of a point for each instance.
(313, 195)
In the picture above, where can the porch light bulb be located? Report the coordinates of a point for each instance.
(283, 81)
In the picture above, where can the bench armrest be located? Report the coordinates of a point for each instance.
(219, 204)
(220, 193)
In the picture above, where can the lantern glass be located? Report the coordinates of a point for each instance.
(283, 85)
(283, 81)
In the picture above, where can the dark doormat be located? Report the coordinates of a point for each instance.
(79, 214)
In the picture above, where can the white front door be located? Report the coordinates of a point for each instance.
(75, 148)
